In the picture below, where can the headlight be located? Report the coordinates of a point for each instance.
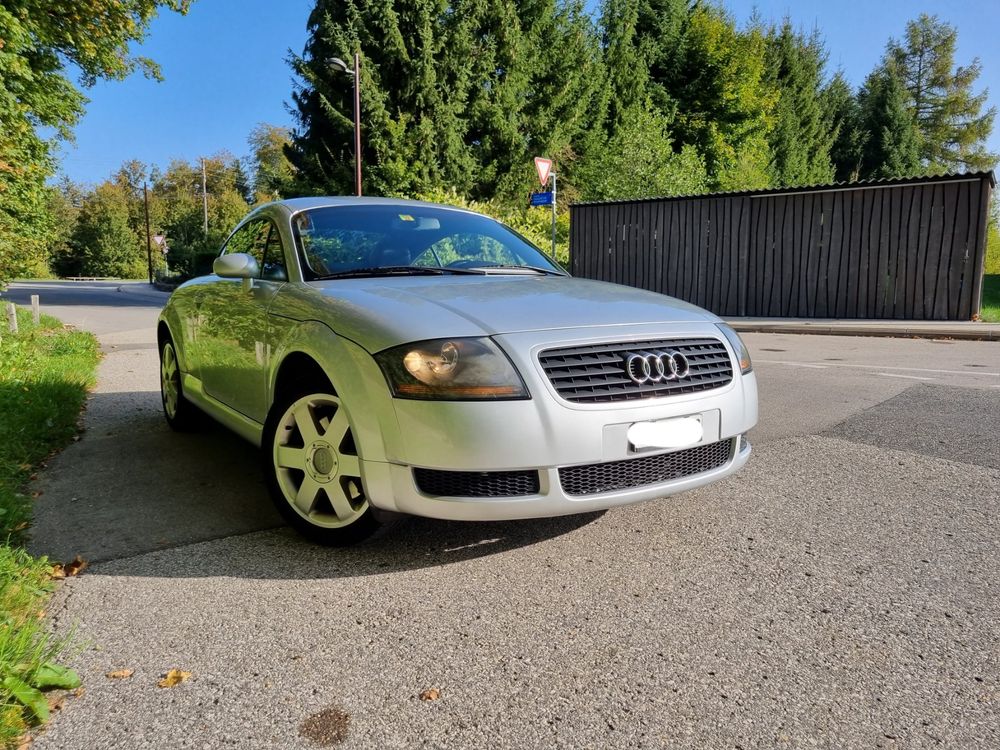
(451, 369)
(738, 346)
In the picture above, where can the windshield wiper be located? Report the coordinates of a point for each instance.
(512, 267)
(400, 271)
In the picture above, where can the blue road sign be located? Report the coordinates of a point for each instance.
(541, 199)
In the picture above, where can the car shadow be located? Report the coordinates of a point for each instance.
(135, 498)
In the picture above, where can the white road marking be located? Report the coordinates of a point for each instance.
(880, 367)
(908, 377)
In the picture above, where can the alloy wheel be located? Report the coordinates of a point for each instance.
(316, 462)
(170, 380)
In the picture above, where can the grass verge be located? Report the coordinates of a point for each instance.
(990, 311)
(45, 372)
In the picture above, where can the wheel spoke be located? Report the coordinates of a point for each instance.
(291, 458)
(169, 361)
(337, 428)
(305, 499)
(306, 423)
(350, 466)
(338, 499)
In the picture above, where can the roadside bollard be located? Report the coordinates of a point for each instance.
(12, 317)
(36, 313)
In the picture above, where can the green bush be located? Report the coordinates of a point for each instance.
(992, 250)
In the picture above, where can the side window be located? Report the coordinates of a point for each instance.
(250, 239)
(273, 268)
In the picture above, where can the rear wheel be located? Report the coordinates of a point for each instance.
(313, 468)
(180, 413)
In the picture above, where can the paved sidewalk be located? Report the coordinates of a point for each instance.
(925, 329)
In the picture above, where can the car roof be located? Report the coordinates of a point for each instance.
(294, 205)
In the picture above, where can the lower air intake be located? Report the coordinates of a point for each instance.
(592, 479)
(476, 483)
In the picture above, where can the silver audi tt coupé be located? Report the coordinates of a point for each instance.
(392, 355)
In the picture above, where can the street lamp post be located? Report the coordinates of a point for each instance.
(355, 73)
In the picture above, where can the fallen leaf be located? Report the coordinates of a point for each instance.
(21, 526)
(120, 674)
(58, 572)
(78, 692)
(56, 701)
(76, 566)
(431, 694)
(24, 742)
(173, 678)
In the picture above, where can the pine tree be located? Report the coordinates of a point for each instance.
(892, 142)
(843, 114)
(953, 126)
(710, 78)
(411, 137)
(626, 79)
(455, 94)
(802, 135)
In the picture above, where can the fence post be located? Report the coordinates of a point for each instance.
(36, 313)
(12, 317)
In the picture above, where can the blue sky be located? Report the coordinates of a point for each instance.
(225, 71)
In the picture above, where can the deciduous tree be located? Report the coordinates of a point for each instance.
(40, 39)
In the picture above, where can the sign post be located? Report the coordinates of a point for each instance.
(553, 176)
(544, 169)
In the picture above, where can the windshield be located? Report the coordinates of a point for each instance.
(386, 239)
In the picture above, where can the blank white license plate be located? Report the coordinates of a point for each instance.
(679, 432)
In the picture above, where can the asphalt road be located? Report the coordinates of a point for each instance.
(841, 591)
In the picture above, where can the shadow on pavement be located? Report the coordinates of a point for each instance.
(407, 544)
(132, 486)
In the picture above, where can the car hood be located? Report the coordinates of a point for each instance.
(383, 312)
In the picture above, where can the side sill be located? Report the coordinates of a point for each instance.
(243, 426)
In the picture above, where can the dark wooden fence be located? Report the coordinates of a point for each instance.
(905, 249)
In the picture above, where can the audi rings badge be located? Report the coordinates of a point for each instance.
(656, 367)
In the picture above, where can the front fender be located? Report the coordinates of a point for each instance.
(355, 377)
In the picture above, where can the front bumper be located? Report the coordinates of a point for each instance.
(392, 487)
(542, 434)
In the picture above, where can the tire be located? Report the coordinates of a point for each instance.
(313, 469)
(181, 414)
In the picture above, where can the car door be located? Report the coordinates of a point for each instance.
(235, 341)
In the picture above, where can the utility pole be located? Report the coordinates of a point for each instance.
(149, 239)
(204, 198)
(339, 65)
(357, 123)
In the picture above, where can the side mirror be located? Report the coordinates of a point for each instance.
(236, 266)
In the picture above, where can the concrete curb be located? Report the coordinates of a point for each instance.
(967, 331)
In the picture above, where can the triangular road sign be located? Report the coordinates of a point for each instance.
(544, 166)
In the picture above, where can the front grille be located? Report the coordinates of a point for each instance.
(476, 483)
(639, 472)
(597, 372)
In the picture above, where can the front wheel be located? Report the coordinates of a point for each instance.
(180, 413)
(313, 468)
